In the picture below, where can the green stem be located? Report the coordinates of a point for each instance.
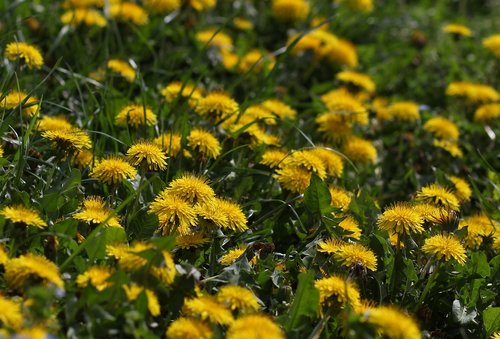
(428, 286)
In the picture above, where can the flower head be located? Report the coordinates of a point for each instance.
(360, 150)
(279, 108)
(24, 215)
(233, 255)
(445, 247)
(493, 44)
(113, 170)
(147, 154)
(174, 213)
(132, 291)
(192, 188)
(10, 313)
(352, 255)
(207, 308)
(293, 178)
(401, 218)
(487, 113)
(96, 276)
(332, 161)
(129, 12)
(474, 93)
(308, 160)
(47, 123)
(19, 271)
(30, 54)
(29, 104)
(342, 52)
(122, 68)
(404, 110)
(83, 16)
(238, 298)
(348, 108)
(178, 89)
(129, 256)
(439, 196)
(392, 323)
(188, 328)
(351, 226)
(462, 190)
(273, 157)
(191, 240)
(135, 116)
(449, 146)
(163, 6)
(202, 5)
(217, 105)
(478, 226)
(360, 80)
(290, 10)
(442, 128)
(70, 139)
(340, 198)
(457, 29)
(204, 142)
(254, 326)
(170, 143)
(95, 211)
(336, 291)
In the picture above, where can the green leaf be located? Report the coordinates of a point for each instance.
(480, 264)
(96, 246)
(317, 197)
(306, 301)
(491, 320)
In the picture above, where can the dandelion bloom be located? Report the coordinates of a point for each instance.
(290, 10)
(191, 240)
(242, 24)
(254, 326)
(462, 190)
(336, 291)
(342, 53)
(360, 80)
(493, 44)
(83, 159)
(445, 247)
(256, 61)
(340, 198)
(123, 68)
(83, 16)
(223, 213)
(442, 128)
(334, 126)
(30, 54)
(392, 323)
(273, 157)
(449, 146)
(170, 143)
(204, 142)
(439, 196)
(95, 211)
(192, 188)
(401, 218)
(352, 255)
(487, 113)
(174, 213)
(24, 215)
(479, 226)
(129, 256)
(279, 108)
(71, 139)
(364, 6)
(129, 12)
(348, 108)
(295, 179)
(202, 5)
(178, 89)
(96, 276)
(330, 246)
(19, 271)
(473, 92)
(163, 6)
(238, 298)
(308, 160)
(207, 308)
(404, 110)
(232, 255)
(132, 291)
(147, 154)
(215, 38)
(113, 170)
(29, 105)
(217, 105)
(166, 272)
(182, 328)
(10, 313)
(360, 150)
(351, 226)
(431, 212)
(135, 116)
(47, 123)
(457, 29)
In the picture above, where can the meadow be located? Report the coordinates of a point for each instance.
(249, 169)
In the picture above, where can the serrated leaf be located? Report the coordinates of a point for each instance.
(491, 320)
(317, 197)
(305, 303)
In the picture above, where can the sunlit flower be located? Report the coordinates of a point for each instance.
(96, 276)
(449, 146)
(170, 143)
(135, 116)
(83, 16)
(167, 271)
(360, 80)
(365, 6)
(10, 313)
(192, 188)
(294, 179)
(23, 215)
(163, 6)
(113, 170)
(242, 23)
(130, 12)
(342, 53)
(290, 10)
(21, 270)
(202, 5)
(353, 255)
(188, 328)
(223, 213)
(217, 105)
(445, 247)
(133, 291)
(232, 255)
(334, 126)
(207, 308)
(273, 157)
(347, 107)
(463, 190)
(401, 218)
(191, 240)
(174, 213)
(29, 105)
(254, 326)
(95, 211)
(147, 154)
(30, 54)
(336, 291)
(479, 226)
(83, 3)
(4, 257)
(215, 38)
(359, 150)
(493, 44)
(187, 91)
(439, 196)
(431, 212)
(404, 110)
(279, 108)
(392, 323)
(308, 160)
(340, 198)
(47, 123)
(238, 298)
(351, 226)
(256, 61)
(83, 158)
(71, 139)
(487, 113)
(475, 93)
(442, 128)
(204, 142)
(129, 256)
(457, 29)
(122, 68)
(330, 246)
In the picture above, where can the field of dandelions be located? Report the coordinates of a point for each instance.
(249, 169)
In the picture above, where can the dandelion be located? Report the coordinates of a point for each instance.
(308, 160)
(336, 291)
(23, 215)
(431, 212)
(342, 53)
(163, 6)
(166, 272)
(238, 298)
(350, 225)
(487, 113)
(95, 211)
(458, 30)
(128, 257)
(30, 54)
(349, 109)
(148, 155)
(401, 218)
(83, 159)
(96, 276)
(217, 105)
(207, 308)
(254, 326)
(256, 61)
(113, 170)
(445, 247)
(334, 126)
(133, 291)
(212, 216)
(290, 10)
(360, 150)
(183, 328)
(19, 271)
(204, 142)
(83, 16)
(223, 213)
(279, 108)
(10, 313)
(479, 226)
(330, 246)
(475, 93)
(178, 89)
(404, 110)
(129, 12)
(360, 80)
(192, 188)
(202, 5)
(48, 123)
(215, 38)
(463, 190)
(29, 105)
(174, 213)
(122, 68)
(273, 157)
(4, 257)
(439, 196)
(70, 139)
(294, 179)
(442, 128)
(449, 146)
(341, 199)
(392, 323)
(493, 44)
(191, 240)
(242, 24)
(364, 6)
(170, 143)
(135, 116)
(353, 255)
(233, 255)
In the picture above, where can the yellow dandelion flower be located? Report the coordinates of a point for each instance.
(290, 10)
(242, 24)
(192, 188)
(163, 6)
(392, 323)
(340, 198)
(207, 308)
(217, 105)
(135, 116)
(19, 271)
(24, 215)
(187, 91)
(95, 211)
(431, 212)
(487, 113)
(358, 79)
(273, 157)
(336, 291)
(96, 276)
(148, 155)
(47, 123)
(29, 105)
(342, 53)
(442, 128)
(404, 110)
(122, 68)
(380, 106)
(113, 170)
(71, 139)
(30, 54)
(129, 12)
(457, 29)
(254, 326)
(175, 213)
(256, 61)
(4, 257)
(350, 225)
(83, 16)
(279, 108)
(229, 59)
(493, 44)
(83, 159)
(1, 151)
(202, 5)
(439, 196)
(187, 328)
(236, 219)
(445, 247)
(318, 41)
(215, 38)
(308, 160)
(347, 107)
(449, 146)
(330, 246)
(334, 126)
(83, 3)
(360, 150)
(170, 143)
(365, 6)
(204, 142)
(133, 291)
(238, 298)
(261, 137)
(233, 255)
(294, 179)
(479, 226)
(475, 93)
(128, 256)
(401, 218)
(495, 335)
(352, 255)
(332, 161)
(258, 112)
(212, 216)
(166, 272)
(10, 313)
(463, 190)
(191, 240)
